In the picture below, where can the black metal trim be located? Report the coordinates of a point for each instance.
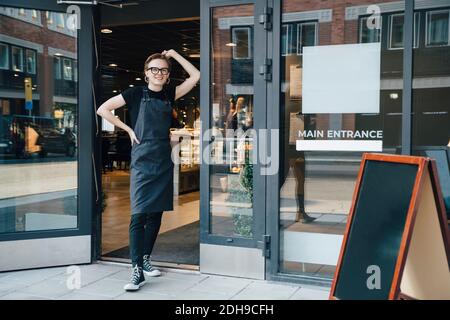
(205, 66)
(86, 203)
(408, 41)
(273, 122)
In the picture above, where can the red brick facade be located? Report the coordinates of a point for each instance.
(338, 31)
(40, 35)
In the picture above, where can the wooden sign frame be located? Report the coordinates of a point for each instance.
(426, 167)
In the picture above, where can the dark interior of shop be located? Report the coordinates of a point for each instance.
(123, 51)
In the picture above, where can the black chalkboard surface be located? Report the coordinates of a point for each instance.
(396, 244)
(377, 228)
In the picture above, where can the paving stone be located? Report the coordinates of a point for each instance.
(266, 291)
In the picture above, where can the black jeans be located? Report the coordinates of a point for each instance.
(144, 228)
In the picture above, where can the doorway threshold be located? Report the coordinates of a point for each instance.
(163, 266)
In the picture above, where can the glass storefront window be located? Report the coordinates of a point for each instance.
(231, 172)
(38, 130)
(340, 97)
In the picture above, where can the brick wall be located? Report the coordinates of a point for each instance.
(44, 63)
(338, 31)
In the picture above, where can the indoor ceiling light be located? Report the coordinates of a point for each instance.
(138, 79)
(113, 65)
(106, 30)
(231, 44)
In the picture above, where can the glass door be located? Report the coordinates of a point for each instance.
(45, 136)
(339, 94)
(234, 78)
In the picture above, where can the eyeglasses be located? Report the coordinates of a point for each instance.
(155, 70)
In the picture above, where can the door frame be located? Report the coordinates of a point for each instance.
(260, 121)
(87, 196)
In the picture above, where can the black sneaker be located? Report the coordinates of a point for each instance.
(137, 280)
(304, 217)
(150, 270)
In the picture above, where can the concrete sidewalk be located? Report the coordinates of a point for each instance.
(104, 281)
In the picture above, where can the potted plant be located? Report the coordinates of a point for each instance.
(241, 194)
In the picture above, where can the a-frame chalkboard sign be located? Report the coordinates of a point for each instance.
(397, 242)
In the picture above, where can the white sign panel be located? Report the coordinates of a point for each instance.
(341, 78)
(313, 248)
(340, 145)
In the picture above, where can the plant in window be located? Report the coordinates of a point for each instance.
(241, 192)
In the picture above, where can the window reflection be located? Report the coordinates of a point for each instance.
(38, 123)
(231, 172)
(369, 32)
(438, 28)
(343, 54)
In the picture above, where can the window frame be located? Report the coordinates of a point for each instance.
(60, 23)
(64, 60)
(360, 29)
(50, 18)
(34, 58)
(57, 72)
(300, 35)
(427, 29)
(75, 70)
(287, 48)
(21, 59)
(416, 26)
(249, 38)
(7, 67)
(34, 14)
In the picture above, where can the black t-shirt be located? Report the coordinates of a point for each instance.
(133, 96)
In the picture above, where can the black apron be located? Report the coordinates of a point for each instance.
(151, 182)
